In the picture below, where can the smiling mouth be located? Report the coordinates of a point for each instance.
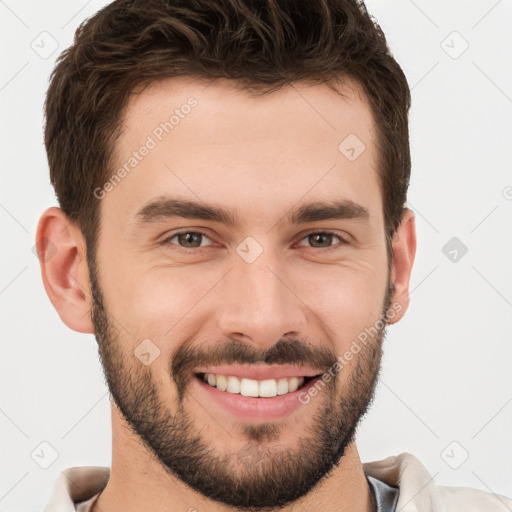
(267, 388)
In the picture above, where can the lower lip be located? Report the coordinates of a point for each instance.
(263, 408)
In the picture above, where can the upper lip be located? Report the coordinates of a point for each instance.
(261, 372)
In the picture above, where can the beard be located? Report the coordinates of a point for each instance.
(263, 474)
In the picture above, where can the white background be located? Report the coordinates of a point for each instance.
(447, 365)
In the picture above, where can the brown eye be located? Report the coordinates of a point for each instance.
(188, 239)
(323, 240)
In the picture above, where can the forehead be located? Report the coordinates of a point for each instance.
(213, 140)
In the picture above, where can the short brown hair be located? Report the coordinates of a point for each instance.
(262, 44)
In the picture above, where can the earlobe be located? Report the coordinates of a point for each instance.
(61, 251)
(404, 251)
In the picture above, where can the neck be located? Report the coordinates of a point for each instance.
(139, 483)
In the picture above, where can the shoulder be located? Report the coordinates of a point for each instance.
(473, 500)
(419, 491)
(76, 484)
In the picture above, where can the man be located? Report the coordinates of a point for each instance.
(232, 178)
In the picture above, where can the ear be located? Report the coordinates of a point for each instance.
(404, 250)
(61, 251)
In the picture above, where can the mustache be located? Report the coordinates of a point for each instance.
(295, 352)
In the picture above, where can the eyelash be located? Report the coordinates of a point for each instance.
(199, 249)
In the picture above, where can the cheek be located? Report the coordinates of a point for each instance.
(154, 313)
(162, 302)
(346, 301)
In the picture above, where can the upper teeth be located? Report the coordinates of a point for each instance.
(255, 388)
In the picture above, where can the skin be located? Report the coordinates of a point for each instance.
(260, 157)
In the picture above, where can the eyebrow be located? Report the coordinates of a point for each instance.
(163, 208)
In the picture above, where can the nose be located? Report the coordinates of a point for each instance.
(259, 304)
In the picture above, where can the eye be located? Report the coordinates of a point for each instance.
(188, 239)
(323, 239)
(194, 240)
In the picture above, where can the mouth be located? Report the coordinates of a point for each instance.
(264, 388)
(255, 400)
(256, 392)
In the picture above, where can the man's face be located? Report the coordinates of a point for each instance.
(177, 297)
